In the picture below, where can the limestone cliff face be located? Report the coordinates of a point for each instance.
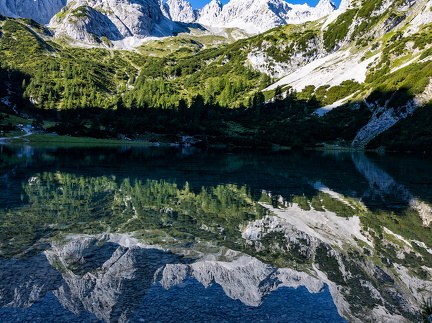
(260, 60)
(255, 16)
(88, 27)
(40, 11)
(345, 5)
(83, 20)
(382, 119)
(180, 10)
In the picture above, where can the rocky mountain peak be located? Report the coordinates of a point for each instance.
(325, 5)
(212, 9)
(117, 20)
(86, 20)
(180, 10)
(255, 16)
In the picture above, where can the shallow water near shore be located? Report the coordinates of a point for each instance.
(140, 234)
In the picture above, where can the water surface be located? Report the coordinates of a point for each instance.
(130, 234)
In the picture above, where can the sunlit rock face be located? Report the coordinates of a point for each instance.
(345, 4)
(180, 10)
(256, 16)
(81, 20)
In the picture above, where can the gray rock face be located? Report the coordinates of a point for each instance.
(260, 60)
(255, 16)
(40, 11)
(85, 28)
(81, 20)
(345, 5)
(382, 119)
(212, 10)
(180, 10)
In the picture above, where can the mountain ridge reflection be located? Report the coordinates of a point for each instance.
(249, 223)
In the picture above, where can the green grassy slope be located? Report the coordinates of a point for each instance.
(192, 83)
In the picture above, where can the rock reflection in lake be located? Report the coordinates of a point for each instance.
(132, 283)
(134, 235)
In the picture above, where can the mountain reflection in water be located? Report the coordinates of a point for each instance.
(158, 235)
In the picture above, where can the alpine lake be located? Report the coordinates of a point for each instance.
(179, 234)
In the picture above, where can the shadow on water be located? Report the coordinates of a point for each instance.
(288, 174)
(245, 222)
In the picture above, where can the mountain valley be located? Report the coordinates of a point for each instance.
(357, 76)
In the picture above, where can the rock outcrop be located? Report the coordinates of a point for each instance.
(382, 119)
(180, 10)
(256, 16)
(41, 11)
(86, 20)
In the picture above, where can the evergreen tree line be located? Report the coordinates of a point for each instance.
(286, 121)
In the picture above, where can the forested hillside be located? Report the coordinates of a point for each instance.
(225, 92)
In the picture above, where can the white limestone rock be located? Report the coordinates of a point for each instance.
(110, 18)
(256, 16)
(211, 10)
(117, 20)
(41, 11)
(180, 10)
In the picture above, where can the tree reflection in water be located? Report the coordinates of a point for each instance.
(105, 228)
